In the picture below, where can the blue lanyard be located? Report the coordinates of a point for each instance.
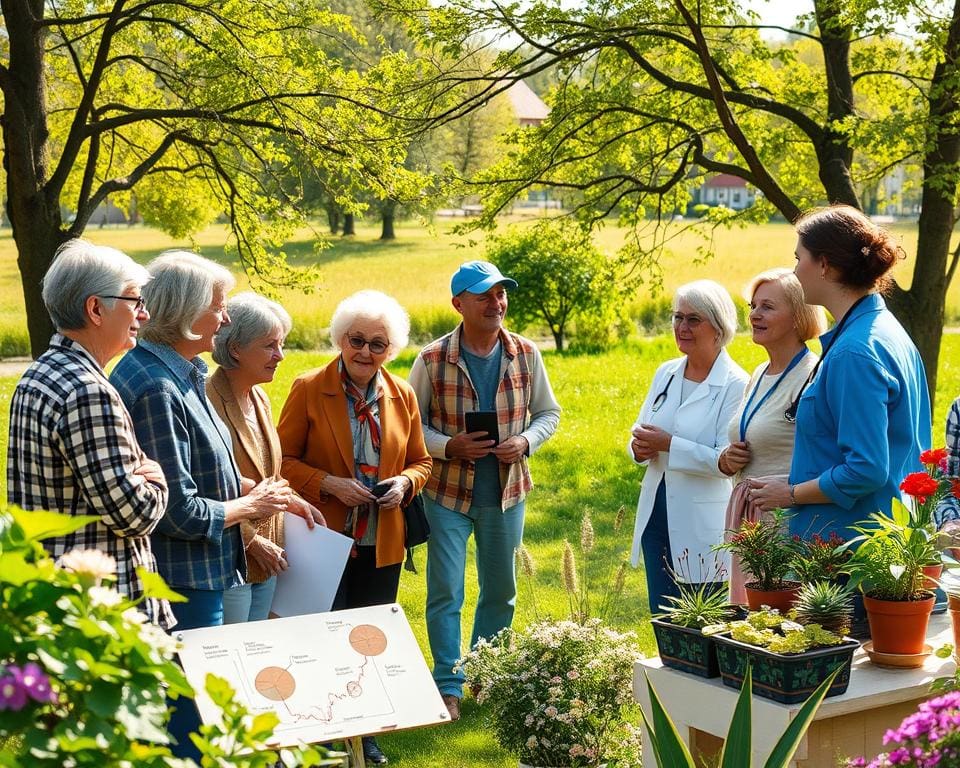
(747, 416)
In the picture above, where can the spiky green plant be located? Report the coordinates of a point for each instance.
(827, 604)
(697, 606)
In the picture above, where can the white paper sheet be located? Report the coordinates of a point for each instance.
(317, 559)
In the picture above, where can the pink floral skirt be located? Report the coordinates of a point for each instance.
(739, 509)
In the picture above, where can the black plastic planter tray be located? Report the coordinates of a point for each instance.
(787, 678)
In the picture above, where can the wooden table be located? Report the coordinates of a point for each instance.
(848, 725)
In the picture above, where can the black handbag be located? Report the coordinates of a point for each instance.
(417, 529)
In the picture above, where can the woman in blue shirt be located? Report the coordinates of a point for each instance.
(864, 416)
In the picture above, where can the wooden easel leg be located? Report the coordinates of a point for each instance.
(354, 748)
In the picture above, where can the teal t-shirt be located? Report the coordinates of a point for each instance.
(485, 375)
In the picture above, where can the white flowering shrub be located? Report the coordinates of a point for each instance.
(84, 676)
(559, 693)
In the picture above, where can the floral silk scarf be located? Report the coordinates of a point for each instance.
(366, 448)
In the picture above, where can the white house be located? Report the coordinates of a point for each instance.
(727, 190)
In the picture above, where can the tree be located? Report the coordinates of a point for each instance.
(650, 98)
(193, 100)
(561, 275)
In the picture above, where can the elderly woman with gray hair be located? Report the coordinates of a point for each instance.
(353, 446)
(678, 437)
(248, 351)
(72, 446)
(197, 543)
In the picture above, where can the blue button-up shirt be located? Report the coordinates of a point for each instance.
(178, 427)
(862, 422)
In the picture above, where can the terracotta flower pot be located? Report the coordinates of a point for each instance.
(781, 599)
(953, 603)
(933, 574)
(898, 626)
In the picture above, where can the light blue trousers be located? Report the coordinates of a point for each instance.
(249, 602)
(497, 535)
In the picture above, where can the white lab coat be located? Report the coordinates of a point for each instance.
(697, 491)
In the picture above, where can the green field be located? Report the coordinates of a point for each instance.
(415, 269)
(584, 467)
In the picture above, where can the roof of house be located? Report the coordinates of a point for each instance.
(526, 104)
(725, 180)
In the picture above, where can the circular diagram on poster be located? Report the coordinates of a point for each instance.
(368, 640)
(275, 683)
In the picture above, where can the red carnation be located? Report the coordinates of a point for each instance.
(934, 457)
(919, 485)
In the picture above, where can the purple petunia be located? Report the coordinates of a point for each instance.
(929, 738)
(18, 684)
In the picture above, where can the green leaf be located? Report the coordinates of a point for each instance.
(154, 586)
(787, 744)
(15, 570)
(738, 747)
(103, 698)
(668, 748)
(143, 717)
(899, 512)
(220, 691)
(40, 524)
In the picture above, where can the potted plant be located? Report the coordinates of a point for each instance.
(825, 603)
(820, 559)
(766, 551)
(887, 565)
(789, 660)
(680, 641)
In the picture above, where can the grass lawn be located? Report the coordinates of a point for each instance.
(584, 467)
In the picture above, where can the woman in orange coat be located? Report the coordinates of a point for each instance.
(353, 444)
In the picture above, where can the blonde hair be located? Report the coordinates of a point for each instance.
(808, 320)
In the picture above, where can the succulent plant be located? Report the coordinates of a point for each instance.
(827, 604)
(697, 606)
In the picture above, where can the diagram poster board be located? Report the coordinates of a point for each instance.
(327, 676)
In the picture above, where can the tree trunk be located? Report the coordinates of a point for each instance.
(333, 217)
(558, 338)
(388, 212)
(921, 308)
(33, 209)
(348, 227)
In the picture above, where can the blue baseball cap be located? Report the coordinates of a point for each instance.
(478, 277)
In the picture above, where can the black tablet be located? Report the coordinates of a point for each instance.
(483, 421)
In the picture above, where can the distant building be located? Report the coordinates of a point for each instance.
(727, 190)
(528, 107)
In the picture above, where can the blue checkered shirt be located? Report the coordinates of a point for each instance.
(949, 506)
(178, 427)
(72, 449)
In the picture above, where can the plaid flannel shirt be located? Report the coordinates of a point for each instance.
(949, 506)
(72, 449)
(178, 427)
(525, 406)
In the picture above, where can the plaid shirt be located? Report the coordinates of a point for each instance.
(949, 506)
(525, 406)
(72, 449)
(178, 427)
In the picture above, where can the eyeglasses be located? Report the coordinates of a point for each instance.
(692, 321)
(376, 347)
(140, 302)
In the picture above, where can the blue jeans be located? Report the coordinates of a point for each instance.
(498, 534)
(204, 608)
(249, 602)
(655, 545)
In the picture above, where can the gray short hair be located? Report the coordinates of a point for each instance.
(80, 270)
(712, 301)
(372, 305)
(251, 317)
(181, 289)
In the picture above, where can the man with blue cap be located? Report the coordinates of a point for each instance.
(478, 485)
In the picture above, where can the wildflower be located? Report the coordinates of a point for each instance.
(572, 674)
(13, 695)
(527, 567)
(569, 569)
(35, 682)
(618, 520)
(577, 750)
(550, 711)
(91, 563)
(105, 596)
(586, 533)
(532, 742)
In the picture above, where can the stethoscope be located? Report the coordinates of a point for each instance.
(660, 399)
